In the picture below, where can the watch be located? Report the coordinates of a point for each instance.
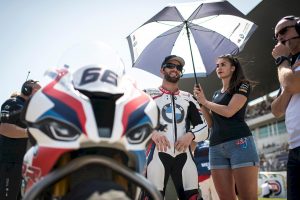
(280, 60)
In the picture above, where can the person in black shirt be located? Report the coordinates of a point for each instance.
(232, 153)
(13, 141)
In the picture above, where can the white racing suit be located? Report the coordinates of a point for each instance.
(180, 112)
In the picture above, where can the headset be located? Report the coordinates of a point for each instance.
(27, 87)
(297, 25)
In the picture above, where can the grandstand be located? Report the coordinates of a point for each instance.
(269, 132)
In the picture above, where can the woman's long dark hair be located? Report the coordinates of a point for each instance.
(238, 75)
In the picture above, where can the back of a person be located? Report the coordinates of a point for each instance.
(206, 184)
(201, 160)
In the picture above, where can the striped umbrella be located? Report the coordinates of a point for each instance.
(199, 32)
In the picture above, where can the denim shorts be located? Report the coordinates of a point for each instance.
(234, 154)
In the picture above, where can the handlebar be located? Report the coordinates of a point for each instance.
(78, 163)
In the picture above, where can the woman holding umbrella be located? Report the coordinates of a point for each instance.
(232, 153)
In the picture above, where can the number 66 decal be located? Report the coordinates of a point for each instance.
(94, 73)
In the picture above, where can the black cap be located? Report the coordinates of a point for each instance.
(173, 57)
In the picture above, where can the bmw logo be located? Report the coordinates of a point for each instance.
(168, 116)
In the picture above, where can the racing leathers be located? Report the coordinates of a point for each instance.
(179, 111)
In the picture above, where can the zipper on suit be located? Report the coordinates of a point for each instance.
(173, 104)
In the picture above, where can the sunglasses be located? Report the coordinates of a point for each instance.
(282, 31)
(172, 66)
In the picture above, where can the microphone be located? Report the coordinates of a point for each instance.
(284, 41)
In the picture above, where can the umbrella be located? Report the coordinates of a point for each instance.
(199, 32)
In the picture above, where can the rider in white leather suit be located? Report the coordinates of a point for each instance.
(179, 112)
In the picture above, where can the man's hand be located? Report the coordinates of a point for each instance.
(280, 50)
(161, 141)
(184, 142)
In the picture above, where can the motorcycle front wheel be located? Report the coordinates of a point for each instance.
(97, 190)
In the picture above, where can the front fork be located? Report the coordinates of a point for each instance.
(61, 188)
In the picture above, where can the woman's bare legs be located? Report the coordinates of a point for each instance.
(246, 182)
(224, 183)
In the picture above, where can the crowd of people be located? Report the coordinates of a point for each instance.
(259, 109)
(232, 157)
(274, 157)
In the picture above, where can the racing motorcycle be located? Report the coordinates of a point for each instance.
(91, 128)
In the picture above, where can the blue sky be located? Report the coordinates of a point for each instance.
(35, 33)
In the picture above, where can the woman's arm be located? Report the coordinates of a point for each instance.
(235, 104)
(207, 116)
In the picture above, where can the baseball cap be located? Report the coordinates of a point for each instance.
(173, 57)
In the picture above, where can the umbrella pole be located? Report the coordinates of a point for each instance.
(188, 35)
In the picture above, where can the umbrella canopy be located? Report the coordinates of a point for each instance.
(199, 32)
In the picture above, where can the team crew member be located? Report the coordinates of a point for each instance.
(207, 187)
(13, 141)
(287, 55)
(171, 153)
(232, 153)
